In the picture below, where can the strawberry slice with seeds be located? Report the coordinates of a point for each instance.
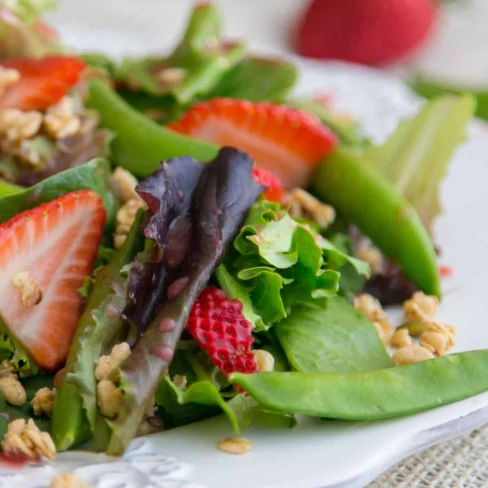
(220, 329)
(286, 141)
(45, 255)
(43, 82)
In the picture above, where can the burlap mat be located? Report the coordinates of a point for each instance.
(462, 462)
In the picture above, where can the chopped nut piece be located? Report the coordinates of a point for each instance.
(17, 125)
(372, 256)
(411, 354)
(264, 360)
(369, 307)
(43, 401)
(7, 369)
(401, 338)
(125, 184)
(13, 391)
(61, 120)
(27, 439)
(420, 307)
(125, 218)
(171, 76)
(106, 365)
(304, 205)
(7, 77)
(67, 480)
(385, 331)
(30, 293)
(109, 398)
(439, 338)
(180, 381)
(235, 445)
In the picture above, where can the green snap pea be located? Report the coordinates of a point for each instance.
(361, 194)
(141, 144)
(369, 395)
(7, 189)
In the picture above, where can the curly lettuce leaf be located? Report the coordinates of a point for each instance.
(12, 350)
(220, 202)
(416, 156)
(337, 338)
(278, 262)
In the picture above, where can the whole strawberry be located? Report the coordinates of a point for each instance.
(371, 32)
(220, 329)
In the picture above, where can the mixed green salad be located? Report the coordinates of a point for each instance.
(180, 236)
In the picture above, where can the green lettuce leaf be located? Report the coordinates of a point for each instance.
(257, 79)
(430, 88)
(75, 414)
(94, 175)
(277, 263)
(236, 289)
(12, 350)
(337, 338)
(202, 400)
(416, 156)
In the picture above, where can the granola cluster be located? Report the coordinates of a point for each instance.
(420, 337)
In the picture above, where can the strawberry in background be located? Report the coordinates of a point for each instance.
(371, 32)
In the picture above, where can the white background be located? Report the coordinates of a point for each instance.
(457, 50)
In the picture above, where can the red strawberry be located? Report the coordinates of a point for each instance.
(53, 246)
(220, 329)
(367, 32)
(286, 141)
(266, 178)
(42, 83)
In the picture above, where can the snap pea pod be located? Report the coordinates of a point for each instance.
(75, 409)
(7, 189)
(370, 395)
(362, 195)
(141, 144)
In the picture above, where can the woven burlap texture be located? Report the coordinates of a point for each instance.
(459, 463)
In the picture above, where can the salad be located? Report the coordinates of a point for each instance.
(182, 237)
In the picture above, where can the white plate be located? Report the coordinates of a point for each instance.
(319, 454)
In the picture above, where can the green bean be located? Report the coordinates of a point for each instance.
(141, 144)
(362, 195)
(369, 395)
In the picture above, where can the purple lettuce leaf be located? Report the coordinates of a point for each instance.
(219, 203)
(168, 193)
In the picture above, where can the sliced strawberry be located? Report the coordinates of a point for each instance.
(65, 69)
(286, 141)
(32, 94)
(274, 190)
(42, 83)
(54, 247)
